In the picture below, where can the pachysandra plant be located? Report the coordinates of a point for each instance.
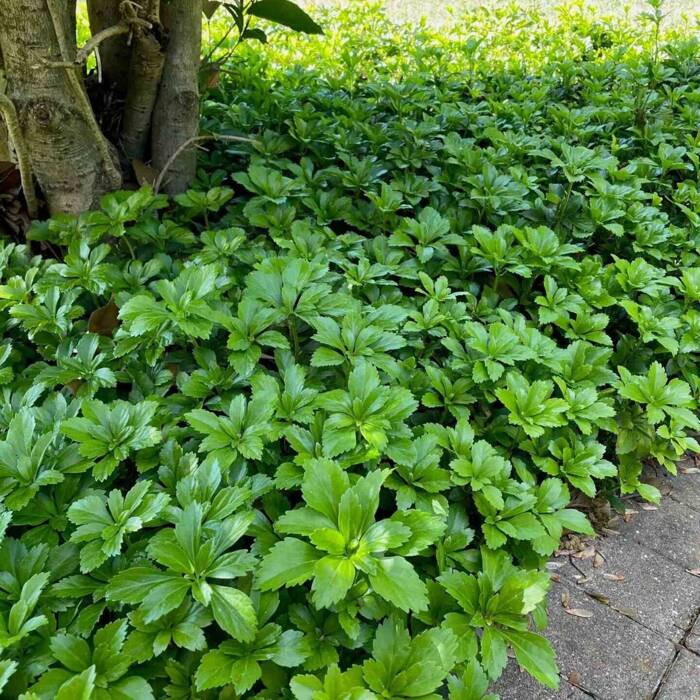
(313, 428)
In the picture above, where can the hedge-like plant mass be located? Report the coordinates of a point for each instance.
(312, 430)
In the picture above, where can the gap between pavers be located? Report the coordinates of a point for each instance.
(634, 652)
(518, 685)
(692, 641)
(654, 591)
(683, 680)
(608, 655)
(672, 531)
(684, 487)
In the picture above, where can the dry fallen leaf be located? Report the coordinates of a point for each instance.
(600, 597)
(553, 565)
(213, 77)
(648, 506)
(579, 612)
(105, 319)
(614, 577)
(626, 611)
(574, 678)
(694, 572)
(586, 553)
(690, 470)
(598, 560)
(565, 599)
(145, 174)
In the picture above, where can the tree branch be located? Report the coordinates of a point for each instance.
(176, 112)
(191, 142)
(154, 11)
(9, 114)
(115, 51)
(145, 72)
(94, 41)
(83, 53)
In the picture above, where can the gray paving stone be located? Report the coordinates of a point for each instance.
(672, 531)
(693, 640)
(515, 684)
(684, 488)
(611, 656)
(687, 490)
(683, 682)
(634, 654)
(657, 592)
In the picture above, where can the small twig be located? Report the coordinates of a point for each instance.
(190, 142)
(241, 33)
(83, 53)
(9, 113)
(98, 63)
(96, 39)
(571, 561)
(208, 57)
(130, 8)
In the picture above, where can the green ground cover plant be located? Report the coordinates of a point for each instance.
(312, 429)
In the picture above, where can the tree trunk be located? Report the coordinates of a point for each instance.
(145, 72)
(4, 139)
(4, 144)
(176, 114)
(151, 68)
(114, 52)
(67, 154)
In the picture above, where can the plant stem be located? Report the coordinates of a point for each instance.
(292, 325)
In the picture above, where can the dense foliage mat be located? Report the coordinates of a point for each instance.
(313, 429)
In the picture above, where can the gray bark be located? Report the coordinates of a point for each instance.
(145, 72)
(4, 144)
(114, 52)
(176, 114)
(5, 155)
(66, 155)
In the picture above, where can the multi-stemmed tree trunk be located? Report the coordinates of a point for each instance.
(73, 139)
(74, 136)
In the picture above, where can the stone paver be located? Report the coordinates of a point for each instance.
(683, 681)
(673, 531)
(684, 488)
(515, 684)
(655, 591)
(609, 655)
(689, 494)
(637, 634)
(693, 639)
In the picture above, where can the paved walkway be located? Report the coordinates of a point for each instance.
(625, 613)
